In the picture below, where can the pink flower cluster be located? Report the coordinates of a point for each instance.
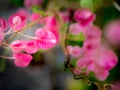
(45, 37)
(92, 56)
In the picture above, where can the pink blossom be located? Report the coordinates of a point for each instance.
(2, 24)
(84, 16)
(17, 46)
(76, 28)
(75, 51)
(35, 16)
(46, 39)
(100, 62)
(112, 31)
(31, 3)
(23, 12)
(92, 39)
(53, 26)
(22, 60)
(101, 74)
(107, 59)
(65, 16)
(17, 21)
(93, 32)
(31, 47)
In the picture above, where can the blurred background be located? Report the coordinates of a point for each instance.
(48, 73)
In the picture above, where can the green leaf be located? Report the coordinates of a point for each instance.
(17, 2)
(2, 65)
(79, 37)
(73, 62)
(74, 43)
(36, 9)
(87, 4)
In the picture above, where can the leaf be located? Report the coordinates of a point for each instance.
(74, 43)
(87, 4)
(36, 9)
(79, 37)
(73, 62)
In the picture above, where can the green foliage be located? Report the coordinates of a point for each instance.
(95, 5)
(87, 4)
(73, 62)
(36, 9)
(74, 43)
(17, 2)
(2, 65)
(109, 14)
(78, 37)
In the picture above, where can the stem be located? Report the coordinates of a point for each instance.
(27, 35)
(115, 4)
(9, 31)
(26, 27)
(6, 57)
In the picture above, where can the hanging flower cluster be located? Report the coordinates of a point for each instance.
(45, 37)
(93, 56)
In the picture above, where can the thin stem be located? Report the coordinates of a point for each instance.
(6, 57)
(9, 31)
(27, 35)
(26, 27)
(115, 4)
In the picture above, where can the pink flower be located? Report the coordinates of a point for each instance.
(31, 47)
(22, 60)
(102, 74)
(65, 16)
(23, 12)
(35, 16)
(31, 3)
(93, 32)
(76, 28)
(100, 62)
(18, 46)
(84, 16)
(2, 24)
(112, 31)
(107, 59)
(53, 26)
(92, 39)
(46, 39)
(75, 51)
(17, 21)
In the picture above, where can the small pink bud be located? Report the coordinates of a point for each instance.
(2, 24)
(75, 51)
(17, 21)
(31, 47)
(22, 60)
(101, 74)
(65, 16)
(84, 16)
(17, 46)
(23, 12)
(76, 29)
